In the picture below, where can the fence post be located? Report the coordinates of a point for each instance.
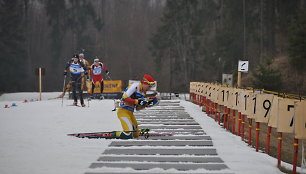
(200, 100)
(204, 104)
(268, 140)
(212, 108)
(228, 118)
(257, 135)
(242, 124)
(250, 132)
(219, 115)
(233, 122)
(224, 117)
(207, 107)
(216, 111)
(279, 149)
(296, 149)
(239, 123)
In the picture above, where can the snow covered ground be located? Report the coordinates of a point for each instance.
(33, 137)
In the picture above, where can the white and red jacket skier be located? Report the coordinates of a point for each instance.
(96, 73)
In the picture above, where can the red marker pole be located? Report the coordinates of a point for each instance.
(207, 106)
(239, 123)
(204, 103)
(279, 149)
(224, 117)
(212, 105)
(191, 97)
(242, 124)
(268, 140)
(250, 132)
(233, 122)
(210, 108)
(257, 135)
(296, 149)
(200, 100)
(228, 118)
(219, 113)
(193, 94)
(216, 111)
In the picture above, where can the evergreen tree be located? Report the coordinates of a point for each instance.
(12, 47)
(267, 77)
(178, 39)
(297, 42)
(72, 15)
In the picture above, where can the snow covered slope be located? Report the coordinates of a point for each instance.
(33, 137)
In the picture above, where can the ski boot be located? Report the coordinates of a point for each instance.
(122, 135)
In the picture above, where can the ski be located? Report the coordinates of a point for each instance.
(74, 105)
(109, 135)
(54, 98)
(142, 131)
(93, 135)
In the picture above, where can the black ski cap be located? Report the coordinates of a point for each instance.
(75, 56)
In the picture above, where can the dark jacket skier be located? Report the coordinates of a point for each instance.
(76, 68)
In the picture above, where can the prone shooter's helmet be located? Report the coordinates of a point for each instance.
(148, 80)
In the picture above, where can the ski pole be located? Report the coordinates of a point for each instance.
(115, 108)
(108, 77)
(88, 99)
(79, 78)
(63, 89)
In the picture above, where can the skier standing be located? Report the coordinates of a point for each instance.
(133, 96)
(96, 74)
(87, 64)
(76, 68)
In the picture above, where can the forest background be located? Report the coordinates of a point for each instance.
(176, 41)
